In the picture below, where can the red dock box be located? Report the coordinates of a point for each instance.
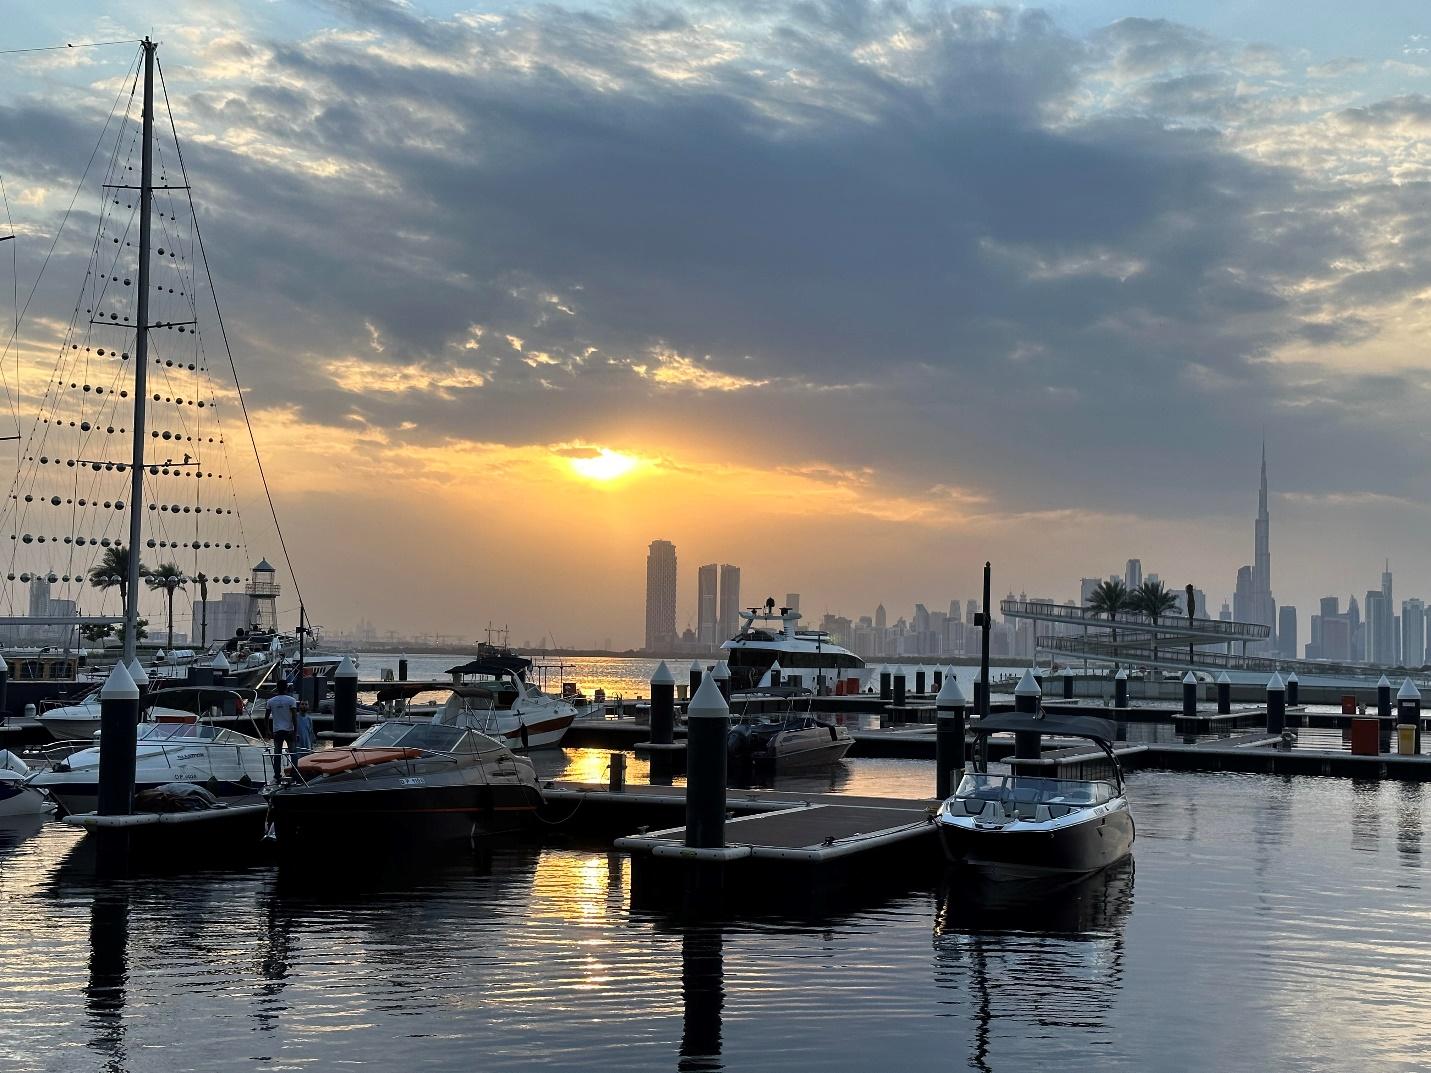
(1364, 734)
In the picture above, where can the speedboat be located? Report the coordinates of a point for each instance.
(226, 763)
(406, 780)
(805, 656)
(786, 741)
(74, 722)
(17, 798)
(1026, 825)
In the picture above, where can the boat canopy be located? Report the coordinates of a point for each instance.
(497, 667)
(1103, 731)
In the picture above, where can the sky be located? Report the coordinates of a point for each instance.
(860, 293)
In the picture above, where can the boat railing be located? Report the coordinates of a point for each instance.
(1034, 789)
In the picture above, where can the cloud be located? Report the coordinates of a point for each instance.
(954, 247)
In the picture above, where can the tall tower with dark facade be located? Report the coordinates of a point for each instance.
(660, 596)
(1263, 606)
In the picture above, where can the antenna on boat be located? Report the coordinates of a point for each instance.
(141, 355)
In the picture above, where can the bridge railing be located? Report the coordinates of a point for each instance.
(1222, 629)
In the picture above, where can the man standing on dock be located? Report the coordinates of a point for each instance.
(282, 721)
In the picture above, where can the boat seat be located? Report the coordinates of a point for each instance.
(1042, 813)
(332, 761)
(1058, 810)
(992, 812)
(1026, 810)
(974, 806)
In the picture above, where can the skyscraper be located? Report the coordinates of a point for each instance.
(1287, 631)
(707, 605)
(660, 595)
(1133, 573)
(39, 596)
(880, 617)
(792, 601)
(1254, 601)
(1413, 632)
(1085, 589)
(729, 602)
(1378, 641)
(1387, 627)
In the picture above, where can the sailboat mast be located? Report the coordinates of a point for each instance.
(141, 359)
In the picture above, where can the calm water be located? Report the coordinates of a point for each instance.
(1264, 925)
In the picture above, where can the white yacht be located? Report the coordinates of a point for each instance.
(226, 763)
(805, 656)
(17, 798)
(493, 697)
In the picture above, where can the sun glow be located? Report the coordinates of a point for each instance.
(604, 465)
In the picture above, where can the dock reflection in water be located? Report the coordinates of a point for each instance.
(1275, 925)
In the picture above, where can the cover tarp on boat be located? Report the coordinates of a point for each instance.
(497, 666)
(1069, 726)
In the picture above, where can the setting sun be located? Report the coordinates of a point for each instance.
(605, 465)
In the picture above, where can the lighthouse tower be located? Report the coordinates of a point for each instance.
(262, 593)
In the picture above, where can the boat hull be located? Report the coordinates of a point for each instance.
(19, 800)
(80, 794)
(1087, 846)
(310, 817)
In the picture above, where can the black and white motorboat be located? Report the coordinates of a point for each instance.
(807, 658)
(406, 781)
(785, 741)
(1024, 825)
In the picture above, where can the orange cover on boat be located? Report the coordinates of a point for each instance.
(332, 761)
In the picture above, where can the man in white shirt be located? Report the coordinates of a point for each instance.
(283, 720)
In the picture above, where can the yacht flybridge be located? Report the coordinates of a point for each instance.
(807, 658)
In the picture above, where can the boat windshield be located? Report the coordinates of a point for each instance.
(1026, 789)
(435, 736)
(154, 733)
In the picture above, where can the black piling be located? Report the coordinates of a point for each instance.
(775, 675)
(1276, 705)
(663, 705)
(694, 676)
(938, 682)
(118, 740)
(920, 682)
(402, 669)
(950, 719)
(1383, 698)
(345, 698)
(4, 690)
(1224, 694)
(1189, 695)
(886, 685)
(1120, 689)
(707, 731)
(899, 694)
(1026, 698)
(140, 677)
(721, 674)
(1408, 713)
(1068, 683)
(1293, 690)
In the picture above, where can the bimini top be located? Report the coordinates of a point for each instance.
(496, 666)
(1072, 726)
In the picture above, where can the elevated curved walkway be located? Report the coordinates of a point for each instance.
(1200, 631)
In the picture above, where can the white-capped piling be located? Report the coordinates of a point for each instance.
(721, 674)
(899, 687)
(141, 679)
(220, 667)
(1383, 698)
(775, 675)
(1294, 690)
(1026, 698)
(118, 742)
(1189, 695)
(938, 680)
(1068, 683)
(707, 732)
(4, 689)
(402, 669)
(1276, 704)
(1224, 694)
(694, 674)
(345, 698)
(1120, 688)
(950, 719)
(1408, 717)
(919, 681)
(663, 705)
(886, 684)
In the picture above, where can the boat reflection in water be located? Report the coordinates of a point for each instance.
(1040, 959)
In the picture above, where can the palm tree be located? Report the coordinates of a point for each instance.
(112, 571)
(1108, 599)
(1151, 598)
(169, 577)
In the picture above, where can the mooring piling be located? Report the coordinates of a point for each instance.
(1276, 704)
(345, 698)
(707, 731)
(1224, 694)
(1026, 698)
(663, 705)
(951, 714)
(1190, 695)
(1120, 688)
